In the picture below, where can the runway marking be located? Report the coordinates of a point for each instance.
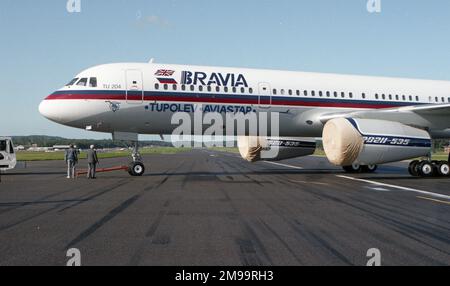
(379, 189)
(434, 200)
(397, 187)
(305, 182)
(284, 165)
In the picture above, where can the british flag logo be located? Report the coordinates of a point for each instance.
(164, 76)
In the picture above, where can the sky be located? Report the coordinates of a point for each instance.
(42, 45)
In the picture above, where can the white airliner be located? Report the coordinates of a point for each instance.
(364, 121)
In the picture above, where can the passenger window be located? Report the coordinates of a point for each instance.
(410, 98)
(183, 87)
(242, 90)
(217, 88)
(417, 98)
(174, 86)
(290, 92)
(328, 94)
(297, 92)
(209, 88)
(166, 86)
(82, 82)
(305, 93)
(335, 94)
(342, 94)
(390, 96)
(363, 95)
(320, 93)
(351, 95)
(383, 96)
(282, 92)
(376, 95)
(73, 81)
(313, 93)
(250, 90)
(192, 88)
(93, 82)
(200, 88)
(274, 91)
(156, 85)
(225, 88)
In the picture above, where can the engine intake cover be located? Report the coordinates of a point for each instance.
(254, 148)
(369, 141)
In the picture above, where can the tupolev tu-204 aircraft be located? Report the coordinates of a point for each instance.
(363, 121)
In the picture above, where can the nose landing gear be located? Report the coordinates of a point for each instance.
(136, 167)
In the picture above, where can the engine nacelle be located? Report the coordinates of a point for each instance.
(254, 148)
(369, 142)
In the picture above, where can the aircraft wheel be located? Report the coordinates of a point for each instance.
(353, 168)
(425, 169)
(369, 168)
(443, 168)
(412, 169)
(136, 169)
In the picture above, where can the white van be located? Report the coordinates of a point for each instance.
(7, 155)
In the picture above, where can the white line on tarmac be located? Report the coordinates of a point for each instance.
(397, 187)
(284, 165)
(305, 182)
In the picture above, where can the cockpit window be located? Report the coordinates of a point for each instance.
(72, 82)
(93, 82)
(82, 82)
(2, 145)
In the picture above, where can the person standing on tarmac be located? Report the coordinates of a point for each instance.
(92, 161)
(71, 158)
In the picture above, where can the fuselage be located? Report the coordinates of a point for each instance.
(142, 98)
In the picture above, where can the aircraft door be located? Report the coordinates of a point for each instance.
(264, 95)
(135, 86)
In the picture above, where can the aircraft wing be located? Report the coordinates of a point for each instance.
(421, 116)
(429, 109)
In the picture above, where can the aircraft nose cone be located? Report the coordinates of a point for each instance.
(46, 110)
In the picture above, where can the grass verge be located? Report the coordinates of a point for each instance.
(48, 156)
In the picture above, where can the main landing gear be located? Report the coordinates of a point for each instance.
(428, 168)
(136, 168)
(357, 168)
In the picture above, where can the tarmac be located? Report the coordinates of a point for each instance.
(205, 207)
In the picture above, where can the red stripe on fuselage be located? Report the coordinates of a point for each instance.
(181, 98)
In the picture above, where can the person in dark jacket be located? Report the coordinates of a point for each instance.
(92, 160)
(71, 158)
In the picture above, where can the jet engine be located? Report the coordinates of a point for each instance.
(348, 141)
(254, 148)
